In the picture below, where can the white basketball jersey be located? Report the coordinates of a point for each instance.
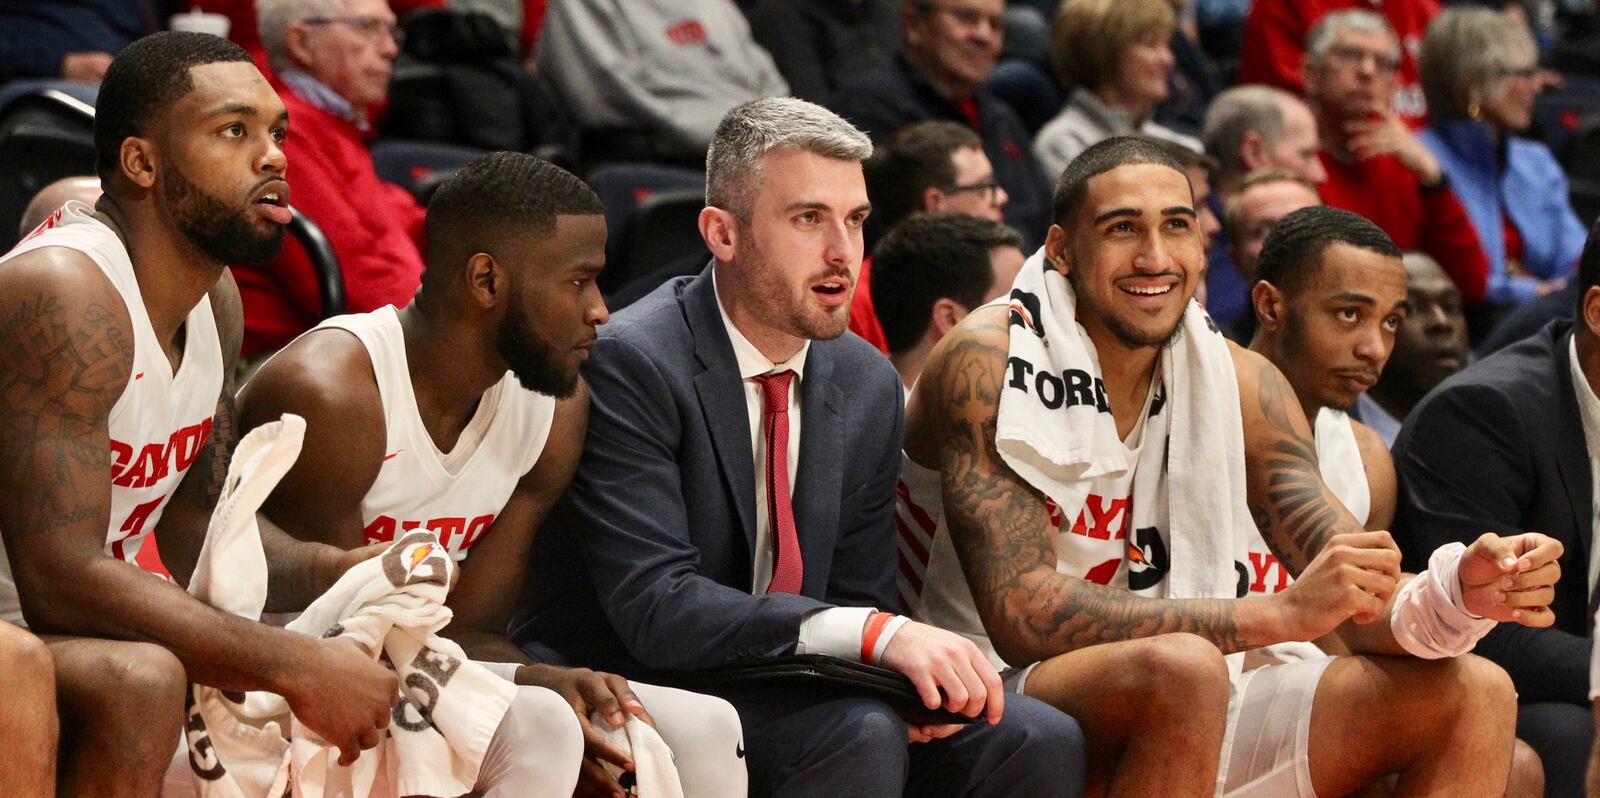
(163, 419)
(1118, 539)
(459, 494)
(1339, 460)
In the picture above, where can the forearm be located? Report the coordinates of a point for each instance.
(1056, 614)
(298, 571)
(111, 599)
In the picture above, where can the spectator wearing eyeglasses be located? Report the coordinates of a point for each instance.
(936, 166)
(1480, 73)
(332, 60)
(1376, 166)
(1275, 38)
(949, 47)
(1114, 54)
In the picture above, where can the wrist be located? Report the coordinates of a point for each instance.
(1265, 620)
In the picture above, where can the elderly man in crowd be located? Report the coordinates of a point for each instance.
(333, 60)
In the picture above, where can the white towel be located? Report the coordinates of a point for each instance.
(1060, 449)
(392, 605)
(654, 773)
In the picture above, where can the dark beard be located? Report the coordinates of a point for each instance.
(222, 233)
(530, 359)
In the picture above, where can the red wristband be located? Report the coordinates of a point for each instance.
(869, 637)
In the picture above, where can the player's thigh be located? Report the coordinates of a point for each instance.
(1112, 683)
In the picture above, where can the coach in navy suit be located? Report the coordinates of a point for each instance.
(702, 550)
(1509, 445)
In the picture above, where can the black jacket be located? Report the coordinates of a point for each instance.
(1499, 447)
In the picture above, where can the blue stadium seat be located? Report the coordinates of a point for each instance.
(622, 187)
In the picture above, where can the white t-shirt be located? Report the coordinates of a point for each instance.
(162, 420)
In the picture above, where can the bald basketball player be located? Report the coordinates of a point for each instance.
(463, 413)
(119, 326)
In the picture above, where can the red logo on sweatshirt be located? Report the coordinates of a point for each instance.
(687, 33)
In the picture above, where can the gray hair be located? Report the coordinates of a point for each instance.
(1321, 36)
(733, 162)
(1464, 52)
(1236, 112)
(273, 18)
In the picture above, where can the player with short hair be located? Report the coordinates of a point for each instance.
(463, 413)
(119, 329)
(1127, 250)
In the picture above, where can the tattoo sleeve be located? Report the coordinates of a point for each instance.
(1292, 508)
(59, 373)
(1005, 542)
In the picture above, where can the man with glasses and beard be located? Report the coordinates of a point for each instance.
(463, 413)
(119, 328)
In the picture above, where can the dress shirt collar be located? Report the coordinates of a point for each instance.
(1588, 403)
(320, 95)
(751, 362)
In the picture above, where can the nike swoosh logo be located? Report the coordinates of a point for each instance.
(738, 750)
(388, 457)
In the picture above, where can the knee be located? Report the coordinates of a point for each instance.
(538, 716)
(27, 664)
(1527, 773)
(141, 694)
(721, 720)
(1189, 669)
(1482, 683)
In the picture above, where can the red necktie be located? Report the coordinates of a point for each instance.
(787, 569)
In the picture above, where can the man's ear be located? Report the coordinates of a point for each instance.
(947, 313)
(136, 159)
(932, 199)
(487, 281)
(297, 42)
(721, 233)
(1057, 251)
(1269, 305)
(1591, 310)
(1252, 150)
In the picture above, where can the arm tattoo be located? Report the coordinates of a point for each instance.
(1004, 539)
(1293, 512)
(219, 449)
(58, 371)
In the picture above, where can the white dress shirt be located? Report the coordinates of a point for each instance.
(837, 630)
(1589, 412)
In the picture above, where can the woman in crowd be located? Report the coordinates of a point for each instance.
(1480, 75)
(1114, 55)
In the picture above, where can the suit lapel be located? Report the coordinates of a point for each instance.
(816, 487)
(722, 401)
(1572, 452)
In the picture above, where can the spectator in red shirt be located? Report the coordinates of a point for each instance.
(1376, 166)
(1275, 37)
(332, 59)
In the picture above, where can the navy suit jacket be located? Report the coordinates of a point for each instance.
(1499, 447)
(647, 562)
